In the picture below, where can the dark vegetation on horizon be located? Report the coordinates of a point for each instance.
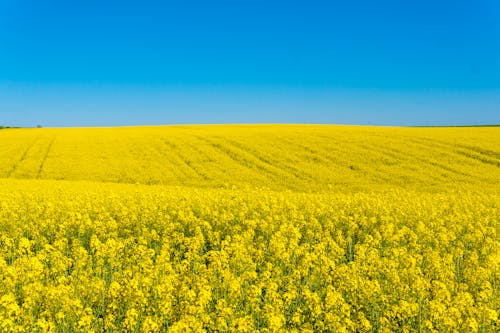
(7, 127)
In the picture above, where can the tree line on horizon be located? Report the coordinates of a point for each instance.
(5, 127)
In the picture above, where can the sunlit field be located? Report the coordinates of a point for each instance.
(297, 228)
(299, 158)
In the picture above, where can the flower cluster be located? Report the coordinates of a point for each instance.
(93, 257)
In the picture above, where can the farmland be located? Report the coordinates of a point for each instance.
(246, 228)
(301, 158)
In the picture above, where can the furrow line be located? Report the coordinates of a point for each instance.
(23, 157)
(45, 158)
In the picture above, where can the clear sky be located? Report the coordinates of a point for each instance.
(104, 63)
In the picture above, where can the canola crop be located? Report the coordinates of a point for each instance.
(297, 157)
(88, 249)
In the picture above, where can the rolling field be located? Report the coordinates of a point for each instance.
(247, 228)
(303, 158)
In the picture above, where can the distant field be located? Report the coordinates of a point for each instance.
(293, 157)
(250, 229)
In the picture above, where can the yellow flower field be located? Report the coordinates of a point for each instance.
(296, 157)
(250, 228)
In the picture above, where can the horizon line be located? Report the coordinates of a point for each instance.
(245, 124)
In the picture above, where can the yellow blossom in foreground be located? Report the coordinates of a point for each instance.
(85, 257)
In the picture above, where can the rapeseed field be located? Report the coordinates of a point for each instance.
(251, 228)
(304, 158)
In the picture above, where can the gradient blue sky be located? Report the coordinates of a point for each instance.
(105, 63)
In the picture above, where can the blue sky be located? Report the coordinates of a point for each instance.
(105, 63)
